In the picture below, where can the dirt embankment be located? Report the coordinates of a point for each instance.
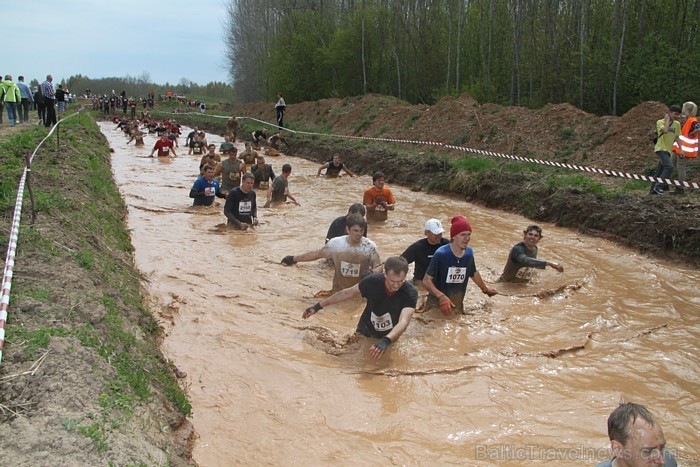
(609, 207)
(82, 380)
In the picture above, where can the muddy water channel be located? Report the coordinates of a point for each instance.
(526, 376)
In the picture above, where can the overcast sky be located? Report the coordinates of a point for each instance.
(169, 40)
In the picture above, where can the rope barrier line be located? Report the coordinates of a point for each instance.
(8, 271)
(482, 152)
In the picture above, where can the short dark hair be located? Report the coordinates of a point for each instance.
(248, 175)
(396, 264)
(534, 227)
(377, 175)
(352, 220)
(623, 416)
(674, 108)
(358, 208)
(286, 168)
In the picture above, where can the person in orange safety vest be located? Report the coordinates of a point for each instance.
(688, 149)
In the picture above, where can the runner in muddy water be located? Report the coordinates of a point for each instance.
(259, 137)
(391, 302)
(241, 209)
(209, 160)
(522, 259)
(338, 226)
(333, 168)
(206, 188)
(378, 199)
(279, 190)
(422, 251)
(276, 140)
(226, 146)
(164, 146)
(263, 174)
(450, 269)
(232, 169)
(636, 439)
(249, 155)
(353, 255)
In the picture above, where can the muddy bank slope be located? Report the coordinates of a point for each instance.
(82, 381)
(610, 207)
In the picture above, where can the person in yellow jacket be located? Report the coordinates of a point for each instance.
(667, 132)
(688, 139)
(10, 94)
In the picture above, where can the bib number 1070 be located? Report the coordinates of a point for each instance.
(456, 275)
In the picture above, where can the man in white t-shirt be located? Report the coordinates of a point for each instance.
(353, 255)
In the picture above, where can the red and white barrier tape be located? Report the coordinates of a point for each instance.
(10, 259)
(611, 173)
(14, 237)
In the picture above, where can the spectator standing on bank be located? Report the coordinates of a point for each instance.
(280, 108)
(49, 101)
(667, 132)
(61, 99)
(688, 147)
(10, 93)
(27, 100)
(40, 106)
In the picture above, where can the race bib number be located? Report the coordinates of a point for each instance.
(210, 191)
(234, 176)
(524, 274)
(456, 275)
(166, 149)
(264, 185)
(382, 323)
(349, 269)
(244, 207)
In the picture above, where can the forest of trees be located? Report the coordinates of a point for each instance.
(604, 56)
(139, 87)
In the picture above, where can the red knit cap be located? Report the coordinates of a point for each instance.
(459, 225)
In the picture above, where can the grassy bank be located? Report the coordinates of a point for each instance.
(101, 391)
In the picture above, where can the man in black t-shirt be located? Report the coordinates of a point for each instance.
(391, 302)
(421, 252)
(337, 227)
(241, 209)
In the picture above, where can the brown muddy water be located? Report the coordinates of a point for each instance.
(527, 376)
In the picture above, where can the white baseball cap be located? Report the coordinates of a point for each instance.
(434, 226)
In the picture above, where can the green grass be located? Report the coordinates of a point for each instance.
(94, 235)
(474, 164)
(410, 121)
(31, 341)
(579, 181)
(566, 133)
(35, 292)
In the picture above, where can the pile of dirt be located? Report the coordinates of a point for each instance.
(556, 132)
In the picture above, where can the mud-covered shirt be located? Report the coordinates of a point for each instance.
(383, 310)
(352, 262)
(521, 262)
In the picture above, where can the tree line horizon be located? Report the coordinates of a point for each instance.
(602, 56)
